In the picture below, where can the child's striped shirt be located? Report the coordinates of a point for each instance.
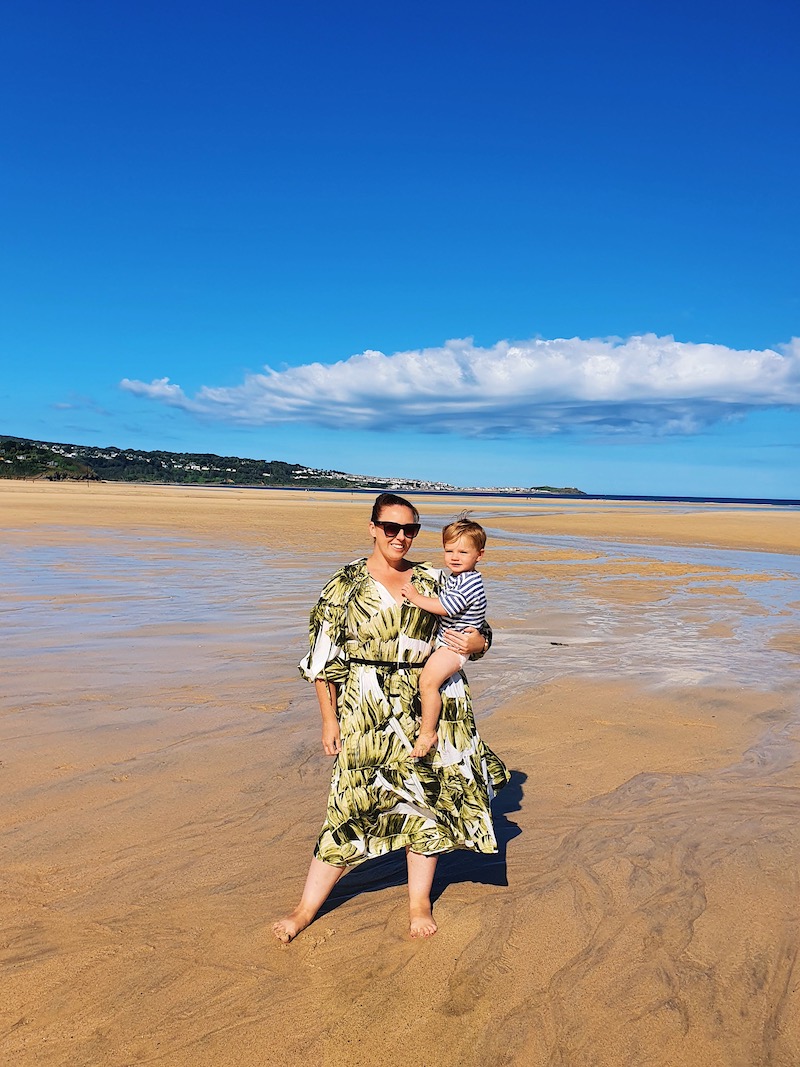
(464, 600)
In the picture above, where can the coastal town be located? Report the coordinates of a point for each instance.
(53, 461)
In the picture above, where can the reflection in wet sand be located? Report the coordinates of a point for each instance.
(163, 784)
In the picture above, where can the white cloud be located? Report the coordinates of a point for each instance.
(158, 389)
(644, 384)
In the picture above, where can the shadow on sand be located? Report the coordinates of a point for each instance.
(454, 867)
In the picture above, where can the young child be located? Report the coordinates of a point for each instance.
(462, 603)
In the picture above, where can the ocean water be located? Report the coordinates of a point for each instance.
(514, 496)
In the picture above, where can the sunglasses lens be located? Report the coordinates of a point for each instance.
(392, 529)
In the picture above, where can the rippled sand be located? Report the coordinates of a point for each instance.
(162, 785)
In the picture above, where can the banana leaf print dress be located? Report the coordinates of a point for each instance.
(380, 798)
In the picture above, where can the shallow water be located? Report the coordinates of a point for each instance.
(128, 610)
(692, 634)
(127, 607)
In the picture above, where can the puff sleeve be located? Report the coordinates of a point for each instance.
(327, 632)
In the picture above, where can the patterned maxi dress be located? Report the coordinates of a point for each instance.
(380, 798)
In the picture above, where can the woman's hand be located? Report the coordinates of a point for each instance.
(327, 696)
(465, 642)
(331, 738)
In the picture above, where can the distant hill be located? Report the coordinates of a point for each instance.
(21, 457)
(57, 461)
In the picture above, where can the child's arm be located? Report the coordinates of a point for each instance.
(428, 603)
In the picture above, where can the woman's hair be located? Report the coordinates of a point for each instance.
(391, 500)
(463, 526)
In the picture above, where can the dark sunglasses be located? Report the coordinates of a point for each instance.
(392, 529)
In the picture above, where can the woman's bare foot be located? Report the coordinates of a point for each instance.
(291, 925)
(422, 921)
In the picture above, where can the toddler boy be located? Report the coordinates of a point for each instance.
(462, 603)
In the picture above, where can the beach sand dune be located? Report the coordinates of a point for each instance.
(163, 784)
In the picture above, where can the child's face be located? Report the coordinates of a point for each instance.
(461, 555)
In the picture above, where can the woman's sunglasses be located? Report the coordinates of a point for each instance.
(392, 529)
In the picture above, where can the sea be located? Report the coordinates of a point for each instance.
(522, 495)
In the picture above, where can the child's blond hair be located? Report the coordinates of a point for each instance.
(463, 526)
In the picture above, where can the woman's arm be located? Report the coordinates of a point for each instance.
(331, 737)
(469, 642)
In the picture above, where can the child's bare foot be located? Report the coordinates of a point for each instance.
(291, 925)
(422, 921)
(423, 745)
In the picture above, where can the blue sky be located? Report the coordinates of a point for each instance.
(568, 235)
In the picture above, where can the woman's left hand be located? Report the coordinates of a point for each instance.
(465, 642)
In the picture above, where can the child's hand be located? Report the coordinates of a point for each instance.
(408, 592)
(424, 743)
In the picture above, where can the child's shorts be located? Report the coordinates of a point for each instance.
(440, 643)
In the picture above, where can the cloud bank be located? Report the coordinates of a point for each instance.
(645, 384)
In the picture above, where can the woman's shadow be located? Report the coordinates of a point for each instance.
(453, 867)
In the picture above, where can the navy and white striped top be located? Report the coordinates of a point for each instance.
(464, 600)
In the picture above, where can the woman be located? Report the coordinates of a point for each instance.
(368, 646)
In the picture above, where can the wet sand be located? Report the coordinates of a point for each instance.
(163, 783)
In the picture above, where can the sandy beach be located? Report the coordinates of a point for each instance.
(163, 784)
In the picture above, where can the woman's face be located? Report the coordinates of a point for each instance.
(394, 548)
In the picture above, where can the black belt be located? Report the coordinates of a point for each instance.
(388, 665)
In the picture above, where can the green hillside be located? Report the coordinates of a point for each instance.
(24, 458)
(55, 461)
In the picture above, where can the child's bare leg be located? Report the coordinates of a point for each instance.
(441, 664)
(421, 870)
(322, 877)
